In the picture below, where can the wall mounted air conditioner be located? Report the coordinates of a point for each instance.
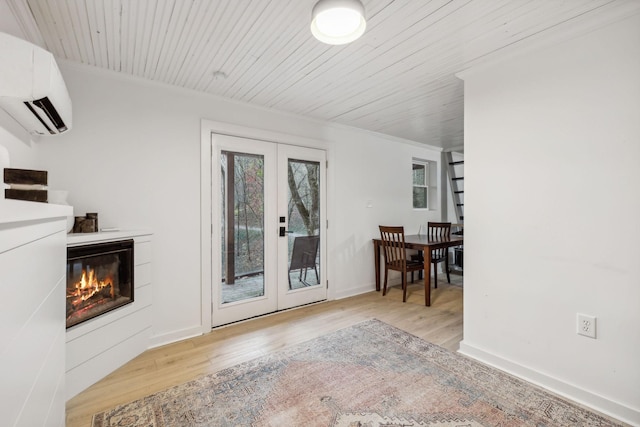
(32, 90)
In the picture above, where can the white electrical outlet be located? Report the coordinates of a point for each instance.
(586, 325)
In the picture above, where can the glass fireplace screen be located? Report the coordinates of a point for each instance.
(99, 279)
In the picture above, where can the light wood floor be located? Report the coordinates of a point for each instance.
(163, 367)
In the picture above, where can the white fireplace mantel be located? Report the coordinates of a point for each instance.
(75, 239)
(98, 346)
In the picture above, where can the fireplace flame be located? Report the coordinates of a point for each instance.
(89, 285)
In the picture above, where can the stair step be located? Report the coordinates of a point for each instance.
(457, 178)
(460, 162)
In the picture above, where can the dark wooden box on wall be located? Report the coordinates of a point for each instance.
(29, 185)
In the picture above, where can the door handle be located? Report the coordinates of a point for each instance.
(283, 231)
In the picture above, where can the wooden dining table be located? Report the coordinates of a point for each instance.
(423, 243)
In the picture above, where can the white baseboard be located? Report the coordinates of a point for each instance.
(363, 289)
(584, 397)
(356, 290)
(194, 331)
(175, 336)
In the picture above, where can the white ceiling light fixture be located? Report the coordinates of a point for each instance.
(338, 21)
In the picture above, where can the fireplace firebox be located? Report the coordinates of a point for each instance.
(99, 279)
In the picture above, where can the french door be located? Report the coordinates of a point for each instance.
(269, 221)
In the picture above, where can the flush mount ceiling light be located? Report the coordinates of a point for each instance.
(338, 21)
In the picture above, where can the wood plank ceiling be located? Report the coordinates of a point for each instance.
(398, 79)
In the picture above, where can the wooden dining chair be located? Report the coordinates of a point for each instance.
(439, 230)
(395, 257)
(436, 230)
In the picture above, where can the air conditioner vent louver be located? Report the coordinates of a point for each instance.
(49, 117)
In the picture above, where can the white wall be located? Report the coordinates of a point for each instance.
(133, 156)
(21, 153)
(372, 169)
(552, 145)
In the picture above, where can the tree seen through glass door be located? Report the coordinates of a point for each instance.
(304, 223)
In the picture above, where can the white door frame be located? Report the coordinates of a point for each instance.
(207, 127)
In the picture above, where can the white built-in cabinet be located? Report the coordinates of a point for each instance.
(99, 346)
(43, 364)
(32, 313)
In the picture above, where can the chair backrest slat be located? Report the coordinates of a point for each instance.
(393, 245)
(439, 230)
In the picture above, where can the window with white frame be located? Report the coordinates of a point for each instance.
(420, 184)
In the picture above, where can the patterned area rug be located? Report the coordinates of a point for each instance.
(367, 375)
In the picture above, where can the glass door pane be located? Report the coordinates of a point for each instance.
(242, 226)
(303, 178)
(244, 233)
(302, 212)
